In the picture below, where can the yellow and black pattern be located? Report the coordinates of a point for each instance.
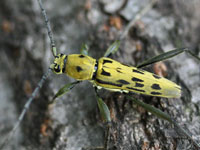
(114, 76)
(77, 66)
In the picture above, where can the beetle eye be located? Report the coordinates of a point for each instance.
(57, 68)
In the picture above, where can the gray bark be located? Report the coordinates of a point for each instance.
(73, 122)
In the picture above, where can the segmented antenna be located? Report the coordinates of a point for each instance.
(40, 83)
(26, 107)
(49, 31)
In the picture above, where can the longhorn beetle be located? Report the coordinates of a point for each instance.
(111, 75)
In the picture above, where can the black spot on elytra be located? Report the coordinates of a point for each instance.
(130, 88)
(156, 93)
(78, 69)
(156, 87)
(137, 79)
(123, 81)
(81, 56)
(139, 85)
(118, 70)
(155, 76)
(106, 61)
(107, 83)
(138, 71)
(105, 73)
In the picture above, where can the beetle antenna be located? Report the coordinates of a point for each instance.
(26, 107)
(48, 26)
(40, 83)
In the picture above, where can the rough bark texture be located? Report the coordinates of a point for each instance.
(74, 122)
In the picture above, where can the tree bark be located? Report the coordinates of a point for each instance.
(74, 122)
